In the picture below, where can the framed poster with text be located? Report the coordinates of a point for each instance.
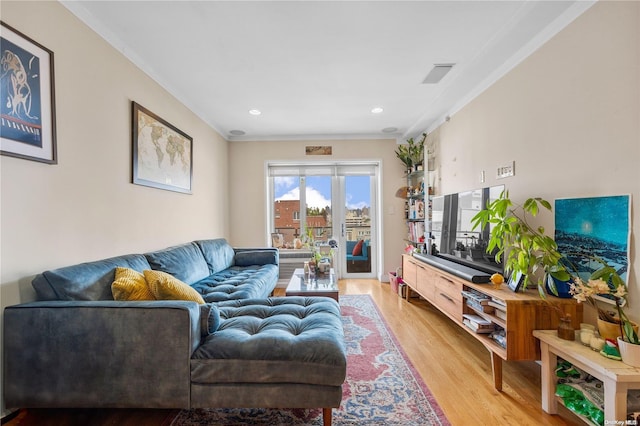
(27, 107)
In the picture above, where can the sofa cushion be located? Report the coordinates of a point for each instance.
(185, 262)
(166, 287)
(218, 254)
(275, 340)
(357, 249)
(85, 281)
(256, 257)
(209, 319)
(130, 285)
(238, 283)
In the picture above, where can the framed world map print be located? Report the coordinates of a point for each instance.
(162, 153)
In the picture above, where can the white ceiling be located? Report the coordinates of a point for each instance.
(315, 69)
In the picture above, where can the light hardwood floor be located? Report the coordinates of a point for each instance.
(454, 366)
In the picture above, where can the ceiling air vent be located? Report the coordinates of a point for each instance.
(437, 73)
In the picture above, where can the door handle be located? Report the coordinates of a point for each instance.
(343, 230)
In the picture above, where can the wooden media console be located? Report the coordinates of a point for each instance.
(518, 314)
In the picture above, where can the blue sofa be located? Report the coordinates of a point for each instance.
(77, 347)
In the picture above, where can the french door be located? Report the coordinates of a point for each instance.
(332, 206)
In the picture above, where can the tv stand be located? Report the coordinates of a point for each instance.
(443, 285)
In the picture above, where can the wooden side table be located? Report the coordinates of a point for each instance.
(616, 376)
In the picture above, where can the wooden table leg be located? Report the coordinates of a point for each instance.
(548, 385)
(496, 366)
(326, 416)
(615, 401)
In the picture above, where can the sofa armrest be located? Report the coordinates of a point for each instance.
(99, 354)
(256, 256)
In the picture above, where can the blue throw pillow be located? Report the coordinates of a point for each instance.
(209, 319)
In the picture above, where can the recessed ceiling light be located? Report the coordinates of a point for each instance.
(389, 129)
(377, 110)
(237, 132)
(255, 112)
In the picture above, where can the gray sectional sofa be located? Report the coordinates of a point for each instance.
(77, 347)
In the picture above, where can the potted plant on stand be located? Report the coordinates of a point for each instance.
(412, 153)
(417, 151)
(405, 156)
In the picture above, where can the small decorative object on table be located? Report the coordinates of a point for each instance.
(497, 280)
(610, 350)
(565, 329)
(596, 343)
(586, 335)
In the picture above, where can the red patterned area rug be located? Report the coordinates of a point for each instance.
(382, 386)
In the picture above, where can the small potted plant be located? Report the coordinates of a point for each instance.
(416, 148)
(404, 155)
(412, 153)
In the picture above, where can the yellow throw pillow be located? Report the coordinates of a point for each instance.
(167, 287)
(130, 285)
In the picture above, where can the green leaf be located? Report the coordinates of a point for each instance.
(544, 203)
(531, 206)
(630, 333)
(480, 219)
(562, 275)
(542, 293)
(552, 285)
(603, 273)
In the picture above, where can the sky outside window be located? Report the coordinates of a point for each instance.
(319, 190)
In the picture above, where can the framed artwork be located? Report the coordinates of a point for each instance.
(515, 283)
(27, 109)
(318, 150)
(594, 226)
(162, 153)
(277, 240)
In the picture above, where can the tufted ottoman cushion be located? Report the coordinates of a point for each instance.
(276, 340)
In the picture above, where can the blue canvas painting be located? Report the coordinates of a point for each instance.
(596, 226)
(21, 117)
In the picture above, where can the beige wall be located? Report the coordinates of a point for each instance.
(568, 115)
(247, 184)
(85, 208)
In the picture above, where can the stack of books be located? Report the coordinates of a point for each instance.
(500, 308)
(478, 301)
(478, 324)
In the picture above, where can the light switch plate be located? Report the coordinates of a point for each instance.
(506, 170)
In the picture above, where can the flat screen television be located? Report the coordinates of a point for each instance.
(452, 233)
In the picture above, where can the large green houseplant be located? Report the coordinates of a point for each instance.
(535, 256)
(529, 252)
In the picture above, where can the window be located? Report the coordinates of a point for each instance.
(302, 200)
